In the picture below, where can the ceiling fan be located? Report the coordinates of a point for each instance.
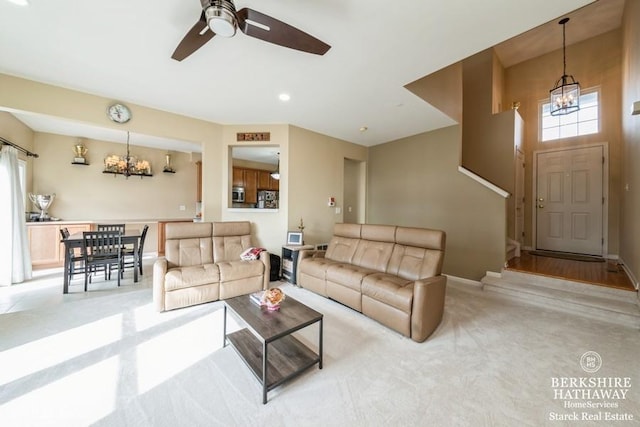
(219, 17)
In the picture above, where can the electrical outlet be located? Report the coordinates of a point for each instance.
(183, 208)
(338, 210)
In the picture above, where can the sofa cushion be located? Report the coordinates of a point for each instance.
(316, 267)
(229, 248)
(379, 233)
(341, 249)
(389, 289)
(236, 270)
(188, 251)
(185, 277)
(414, 263)
(348, 275)
(373, 255)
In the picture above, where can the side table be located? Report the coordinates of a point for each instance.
(290, 261)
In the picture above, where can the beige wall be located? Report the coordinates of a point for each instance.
(594, 62)
(29, 96)
(317, 163)
(442, 89)
(630, 213)
(415, 182)
(85, 193)
(488, 139)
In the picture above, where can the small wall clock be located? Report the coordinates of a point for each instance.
(119, 113)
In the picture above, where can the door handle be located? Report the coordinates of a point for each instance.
(541, 205)
(541, 199)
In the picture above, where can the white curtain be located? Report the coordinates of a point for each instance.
(15, 258)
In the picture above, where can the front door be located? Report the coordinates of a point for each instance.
(570, 200)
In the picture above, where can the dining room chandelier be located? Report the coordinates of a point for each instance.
(127, 165)
(565, 95)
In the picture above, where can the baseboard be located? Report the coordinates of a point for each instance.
(634, 280)
(467, 282)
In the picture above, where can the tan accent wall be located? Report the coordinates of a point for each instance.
(593, 62)
(488, 139)
(83, 192)
(442, 89)
(316, 165)
(630, 180)
(415, 182)
(29, 96)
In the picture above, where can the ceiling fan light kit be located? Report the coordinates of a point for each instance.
(219, 17)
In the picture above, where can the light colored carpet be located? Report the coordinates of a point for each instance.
(105, 358)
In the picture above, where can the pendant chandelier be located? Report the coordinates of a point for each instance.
(127, 166)
(565, 96)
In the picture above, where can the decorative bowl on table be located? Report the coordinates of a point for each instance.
(272, 298)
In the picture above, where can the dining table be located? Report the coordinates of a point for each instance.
(129, 237)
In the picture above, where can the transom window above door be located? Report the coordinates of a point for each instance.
(585, 121)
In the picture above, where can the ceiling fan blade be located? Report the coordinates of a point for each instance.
(263, 27)
(197, 36)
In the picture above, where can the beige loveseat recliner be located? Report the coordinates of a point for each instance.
(202, 264)
(391, 274)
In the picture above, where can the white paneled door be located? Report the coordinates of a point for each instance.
(569, 206)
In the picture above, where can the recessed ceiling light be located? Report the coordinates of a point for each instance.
(284, 97)
(20, 2)
(364, 129)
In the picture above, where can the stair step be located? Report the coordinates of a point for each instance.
(599, 305)
(566, 285)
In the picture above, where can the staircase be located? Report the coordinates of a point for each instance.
(611, 305)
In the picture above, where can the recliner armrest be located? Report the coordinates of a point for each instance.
(427, 307)
(310, 253)
(159, 271)
(266, 260)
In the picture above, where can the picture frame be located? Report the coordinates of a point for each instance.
(294, 238)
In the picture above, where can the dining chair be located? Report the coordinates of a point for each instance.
(74, 257)
(129, 252)
(101, 249)
(111, 227)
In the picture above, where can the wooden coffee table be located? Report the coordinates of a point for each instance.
(266, 344)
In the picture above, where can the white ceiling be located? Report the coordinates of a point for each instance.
(121, 49)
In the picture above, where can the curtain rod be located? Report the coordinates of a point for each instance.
(27, 152)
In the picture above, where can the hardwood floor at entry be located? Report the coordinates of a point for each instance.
(596, 273)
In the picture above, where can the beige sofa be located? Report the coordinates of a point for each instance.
(391, 274)
(202, 264)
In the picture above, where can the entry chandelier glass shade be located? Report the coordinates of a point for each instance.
(276, 173)
(127, 165)
(221, 18)
(565, 95)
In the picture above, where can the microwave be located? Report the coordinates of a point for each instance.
(237, 194)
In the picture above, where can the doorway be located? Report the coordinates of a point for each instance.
(354, 191)
(570, 208)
